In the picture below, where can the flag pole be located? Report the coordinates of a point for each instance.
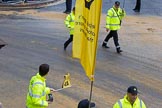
(90, 97)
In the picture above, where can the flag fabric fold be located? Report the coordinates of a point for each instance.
(87, 20)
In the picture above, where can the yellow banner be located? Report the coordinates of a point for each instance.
(87, 20)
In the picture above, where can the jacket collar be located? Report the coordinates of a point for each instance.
(126, 100)
(40, 77)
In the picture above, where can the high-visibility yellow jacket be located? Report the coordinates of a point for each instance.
(114, 18)
(36, 97)
(124, 103)
(69, 22)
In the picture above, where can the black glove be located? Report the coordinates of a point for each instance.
(50, 97)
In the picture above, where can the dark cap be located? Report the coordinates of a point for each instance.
(85, 104)
(117, 3)
(50, 97)
(132, 90)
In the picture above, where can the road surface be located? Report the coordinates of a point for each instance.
(36, 37)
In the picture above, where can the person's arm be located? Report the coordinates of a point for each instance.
(67, 21)
(122, 13)
(47, 90)
(52, 90)
(143, 105)
(116, 105)
(108, 19)
(38, 91)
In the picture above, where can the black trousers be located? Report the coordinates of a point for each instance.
(114, 34)
(68, 5)
(68, 41)
(138, 5)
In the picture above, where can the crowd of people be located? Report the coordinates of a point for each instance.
(40, 96)
(113, 23)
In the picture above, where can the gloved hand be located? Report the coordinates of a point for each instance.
(50, 97)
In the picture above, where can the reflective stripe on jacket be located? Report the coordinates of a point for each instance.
(124, 103)
(69, 22)
(36, 97)
(114, 18)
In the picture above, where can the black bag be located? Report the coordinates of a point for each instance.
(50, 97)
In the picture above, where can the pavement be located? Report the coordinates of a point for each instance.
(34, 37)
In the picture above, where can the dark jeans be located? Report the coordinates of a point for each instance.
(138, 5)
(114, 34)
(68, 5)
(68, 41)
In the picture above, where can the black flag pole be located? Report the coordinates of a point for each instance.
(90, 97)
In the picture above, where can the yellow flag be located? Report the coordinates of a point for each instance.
(87, 19)
(66, 82)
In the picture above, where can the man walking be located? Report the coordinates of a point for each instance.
(113, 22)
(69, 22)
(130, 100)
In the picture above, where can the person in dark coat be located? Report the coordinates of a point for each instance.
(138, 6)
(68, 6)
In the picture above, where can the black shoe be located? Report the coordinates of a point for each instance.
(105, 46)
(119, 51)
(67, 12)
(2, 46)
(136, 10)
(64, 48)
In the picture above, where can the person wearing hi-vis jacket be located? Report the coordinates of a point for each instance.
(113, 23)
(69, 22)
(37, 91)
(130, 100)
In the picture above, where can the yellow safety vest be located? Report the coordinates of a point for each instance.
(69, 22)
(114, 18)
(124, 103)
(36, 97)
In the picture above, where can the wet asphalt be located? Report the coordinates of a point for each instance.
(32, 41)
